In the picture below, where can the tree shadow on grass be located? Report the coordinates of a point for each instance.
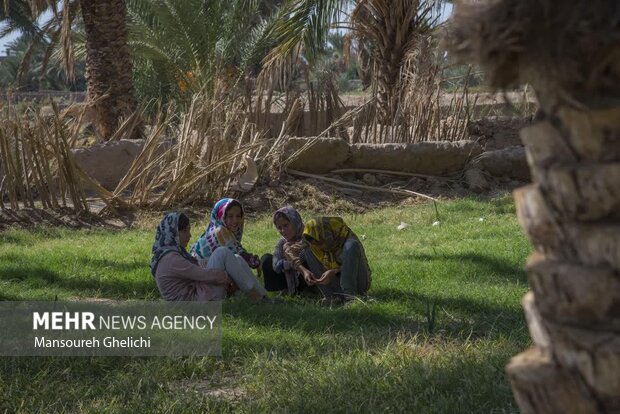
(457, 318)
(115, 265)
(493, 269)
(40, 276)
(453, 382)
(6, 296)
(463, 383)
(12, 239)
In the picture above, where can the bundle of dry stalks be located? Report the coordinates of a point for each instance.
(195, 156)
(188, 155)
(36, 165)
(307, 112)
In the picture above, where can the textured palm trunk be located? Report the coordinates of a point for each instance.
(108, 63)
(390, 55)
(568, 51)
(571, 214)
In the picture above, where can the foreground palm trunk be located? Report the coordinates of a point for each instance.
(108, 63)
(568, 51)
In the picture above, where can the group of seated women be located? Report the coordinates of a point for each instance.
(322, 256)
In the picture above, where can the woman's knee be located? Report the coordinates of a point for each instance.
(221, 251)
(224, 253)
(220, 258)
(352, 246)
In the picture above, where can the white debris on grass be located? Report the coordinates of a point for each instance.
(402, 225)
(436, 223)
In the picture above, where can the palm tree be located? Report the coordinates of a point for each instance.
(108, 63)
(183, 46)
(21, 15)
(386, 31)
(569, 52)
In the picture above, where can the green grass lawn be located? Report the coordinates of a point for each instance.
(384, 355)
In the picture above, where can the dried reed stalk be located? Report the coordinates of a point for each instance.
(37, 164)
(200, 162)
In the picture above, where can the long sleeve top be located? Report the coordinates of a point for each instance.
(178, 279)
(280, 261)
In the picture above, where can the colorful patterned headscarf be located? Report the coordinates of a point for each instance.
(217, 234)
(167, 240)
(326, 236)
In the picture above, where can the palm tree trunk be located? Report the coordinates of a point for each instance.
(571, 214)
(108, 63)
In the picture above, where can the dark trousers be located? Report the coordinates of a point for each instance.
(274, 281)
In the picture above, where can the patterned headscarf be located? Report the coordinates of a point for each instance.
(280, 262)
(326, 236)
(293, 216)
(217, 234)
(167, 240)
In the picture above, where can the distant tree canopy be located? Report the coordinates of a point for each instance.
(35, 75)
(181, 46)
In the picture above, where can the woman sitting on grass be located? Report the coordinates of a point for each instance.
(224, 232)
(277, 269)
(177, 274)
(331, 257)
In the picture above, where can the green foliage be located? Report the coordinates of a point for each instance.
(306, 23)
(183, 46)
(37, 76)
(376, 356)
(17, 15)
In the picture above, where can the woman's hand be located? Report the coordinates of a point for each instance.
(251, 259)
(308, 277)
(327, 277)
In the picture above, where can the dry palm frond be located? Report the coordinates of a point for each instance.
(66, 39)
(37, 163)
(210, 142)
(187, 156)
(418, 113)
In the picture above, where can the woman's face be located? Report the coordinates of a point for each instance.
(285, 228)
(233, 219)
(185, 236)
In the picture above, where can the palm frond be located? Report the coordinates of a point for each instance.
(65, 38)
(306, 25)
